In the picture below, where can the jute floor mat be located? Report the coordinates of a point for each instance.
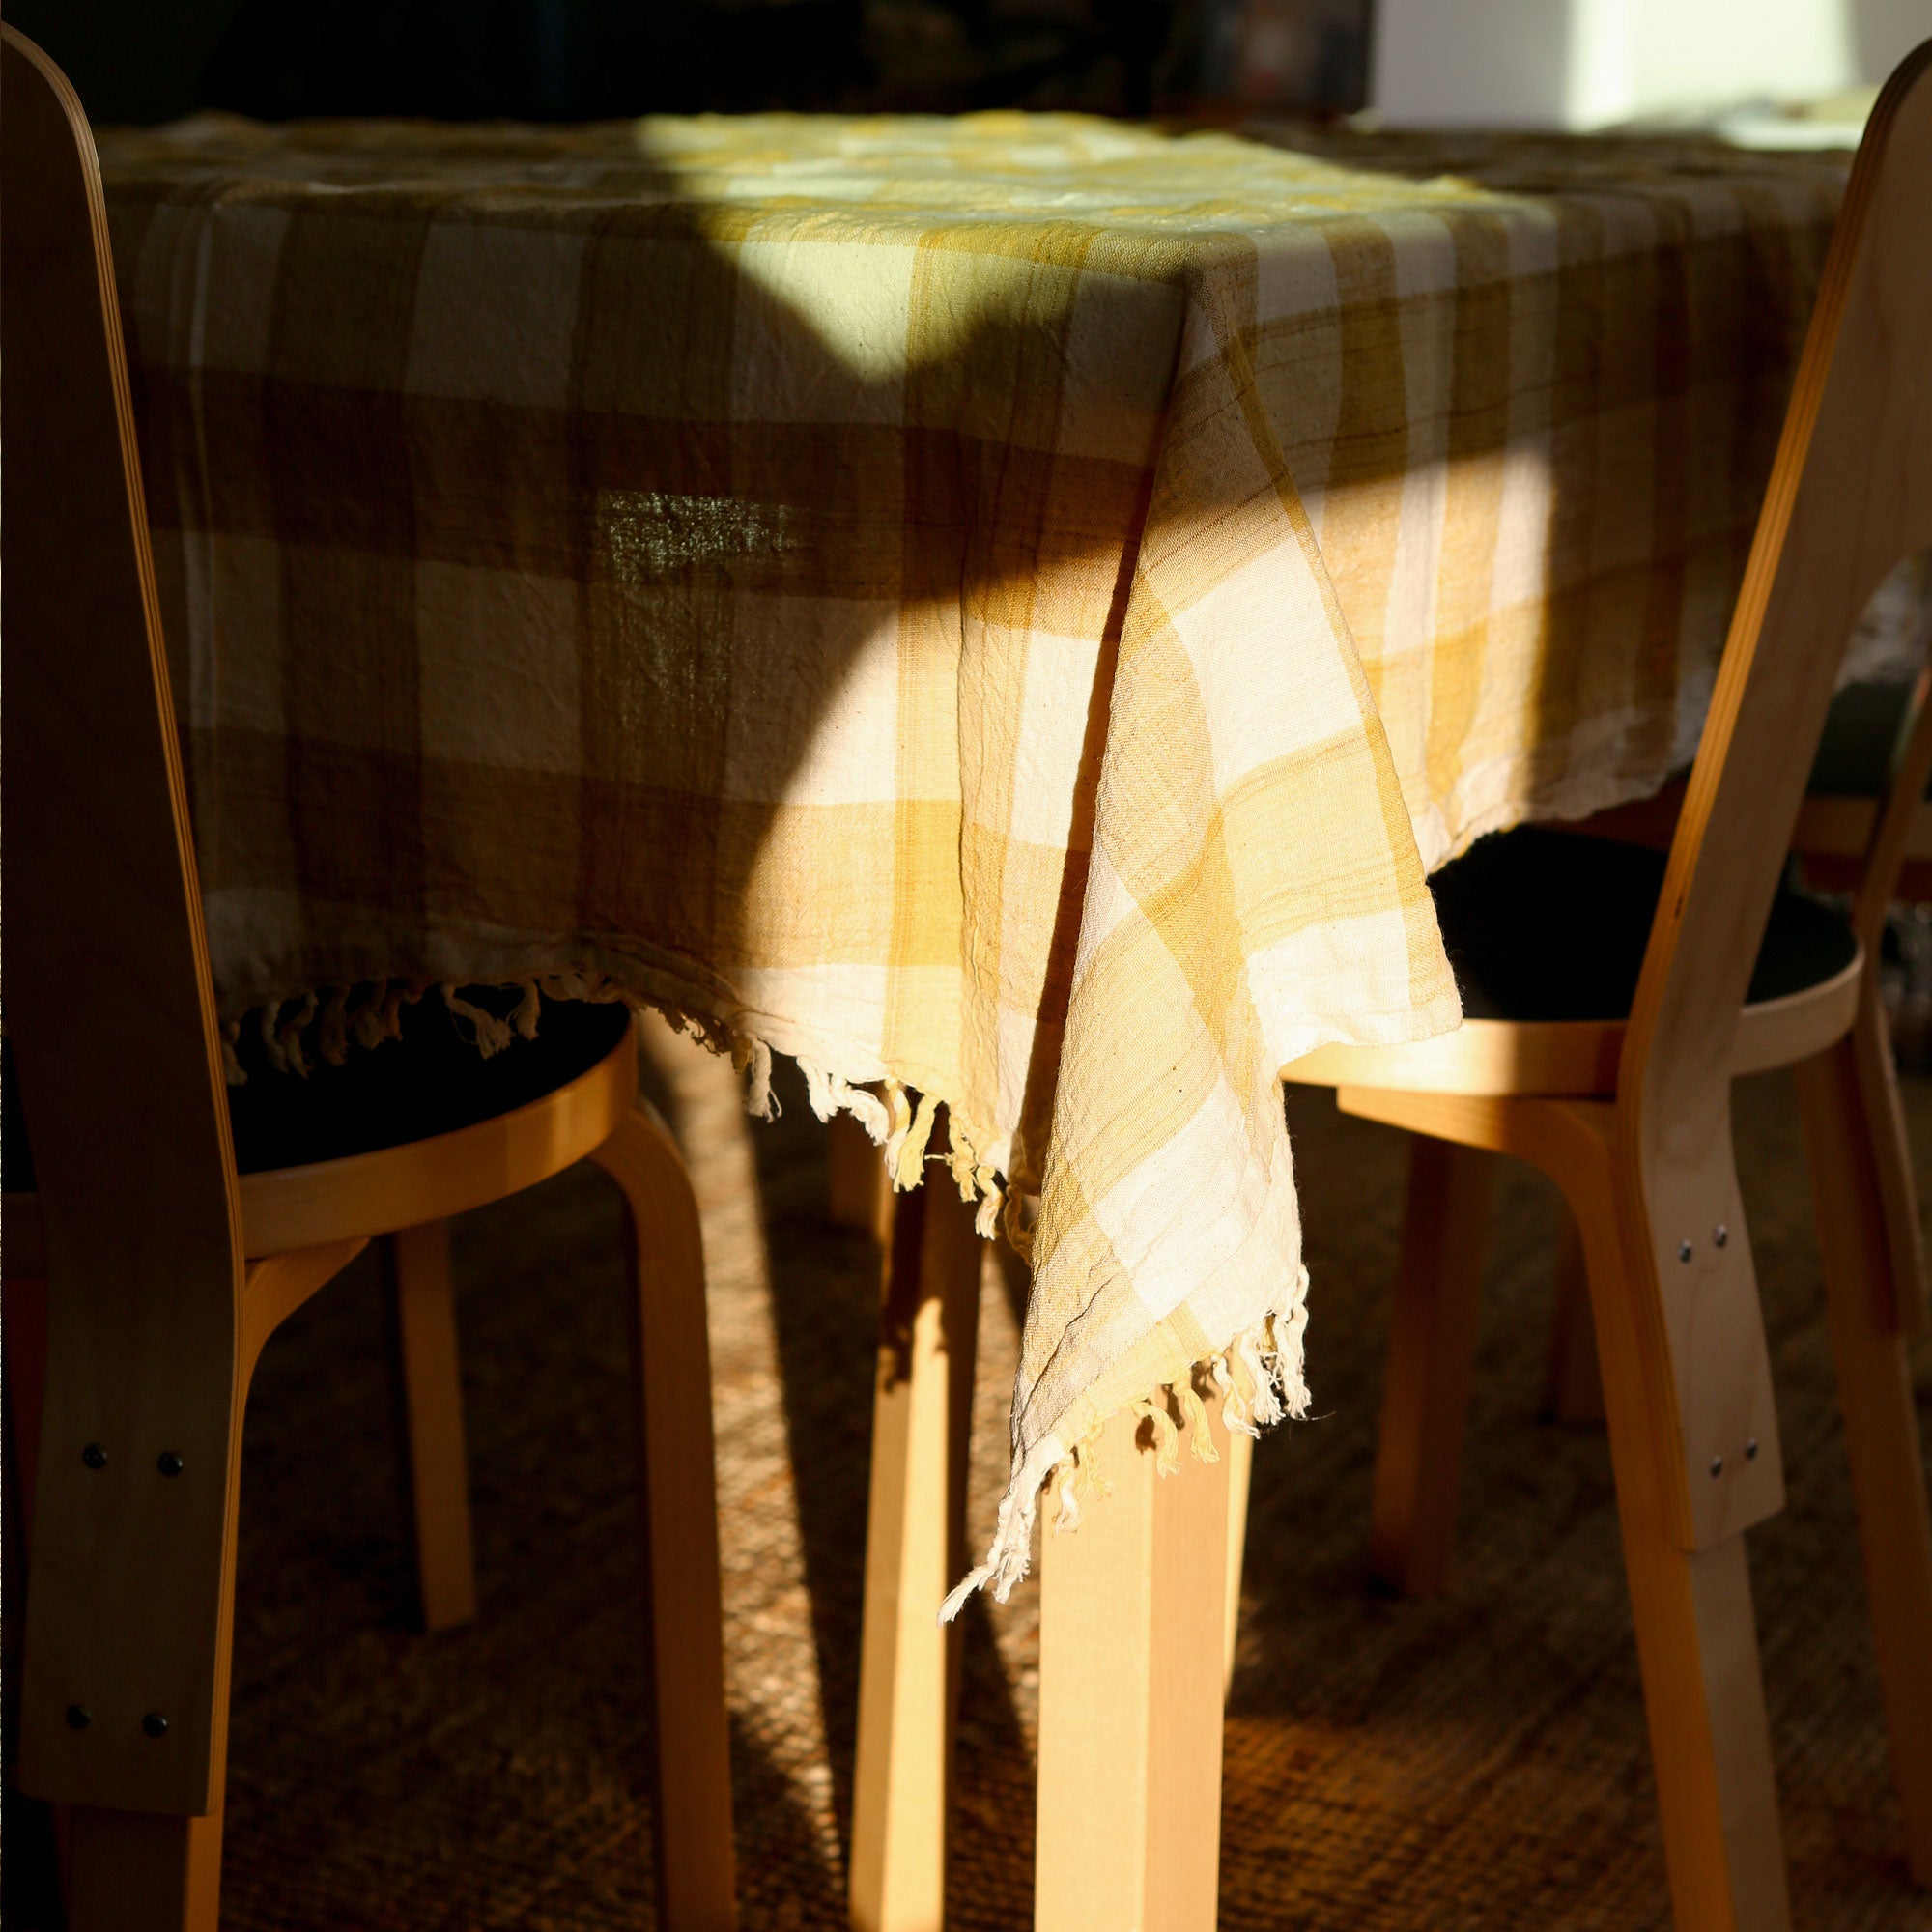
(1476, 1761)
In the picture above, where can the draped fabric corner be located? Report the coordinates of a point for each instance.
(1003, 612)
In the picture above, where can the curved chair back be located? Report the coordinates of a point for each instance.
(1850, 494)
(110, 1012)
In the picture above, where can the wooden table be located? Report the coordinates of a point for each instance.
(530, 508)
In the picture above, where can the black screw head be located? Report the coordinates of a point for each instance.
(95, 1455)
(78, 1717)
(1717, 1465)
(169, 1463)
(1684, 1251)
(1720, 1233)
(1751, 1450)
(154, 1725)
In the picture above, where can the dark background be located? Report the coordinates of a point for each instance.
(146, 60)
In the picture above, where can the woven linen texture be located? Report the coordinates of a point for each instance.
(1007, 610)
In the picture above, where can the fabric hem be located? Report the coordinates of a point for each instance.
(300, 1029)
(1259, 1379)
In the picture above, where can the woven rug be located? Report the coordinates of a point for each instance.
(1479, 1761)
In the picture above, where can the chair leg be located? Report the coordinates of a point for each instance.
(39, 1845)
(1865, 1302)
(914, 1552)
(1870, 1041)
(23, 1320)
(696, 1877)
(152, 1866)
(1432, 1355)
(1573, 1384)
(1696, 1639)
(422, 1317)
(1131, 1633)
(141, 1871)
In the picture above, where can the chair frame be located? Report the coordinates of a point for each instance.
(1645, 1158)
(166, 1272)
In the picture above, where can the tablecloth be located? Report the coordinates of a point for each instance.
(1005, 610)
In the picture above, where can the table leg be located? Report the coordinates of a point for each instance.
(914, 1552)
(1241, 1477)
(1133, 1639)
(859, 1193)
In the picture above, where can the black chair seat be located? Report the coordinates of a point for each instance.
(1551, 925)
(1860, 729)
(431, 1081)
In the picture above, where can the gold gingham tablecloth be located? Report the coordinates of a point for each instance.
(1005, 610)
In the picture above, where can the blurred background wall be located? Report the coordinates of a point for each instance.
(149, 60)
(1551, 62)
(1592, 62)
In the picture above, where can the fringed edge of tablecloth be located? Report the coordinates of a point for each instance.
(298, 1030)
(1259, 1379)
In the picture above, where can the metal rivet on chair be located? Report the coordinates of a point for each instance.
(1684, 1251)
(1751, 1450)
(154, 1725)
(169, 1463)
(78, 1717)
(1717, 1465)
(95, 1455)
(1720, 1233)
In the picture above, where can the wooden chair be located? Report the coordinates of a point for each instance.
(1613, 993)
(174, 1238)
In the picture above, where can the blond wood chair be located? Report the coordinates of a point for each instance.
(168, 1266)
(1614, 993)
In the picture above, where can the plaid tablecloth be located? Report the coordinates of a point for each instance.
(1003, 610)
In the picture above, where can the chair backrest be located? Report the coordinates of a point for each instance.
(1850, 496)
(109, 1012)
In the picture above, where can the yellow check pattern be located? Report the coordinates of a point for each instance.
(1005, 610)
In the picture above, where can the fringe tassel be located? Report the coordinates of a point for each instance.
(232, 1070)
(525, 1018)
(381, 1016)
(752, 1057)
(1076, 1479)
(1066, 1486)
(1011, 1549)
(908, 1158)
(1194, 1419)
(281, 1040)
(366, 1013)
(986, 1222)
(1260, 1377)
(490, 1035)
(1154, 1409)
(829, 1095)
(899, 1123)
